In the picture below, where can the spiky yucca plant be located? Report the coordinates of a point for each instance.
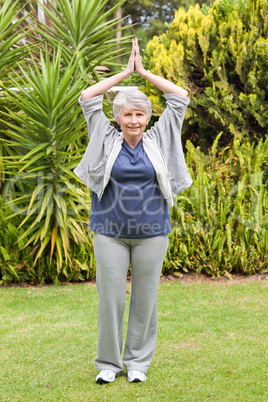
(45, 131)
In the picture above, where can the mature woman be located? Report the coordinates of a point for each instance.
(134, 176)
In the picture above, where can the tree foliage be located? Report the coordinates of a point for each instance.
(147, 18)
(152, 14)
(220, 55)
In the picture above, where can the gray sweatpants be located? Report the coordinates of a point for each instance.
(113, 256)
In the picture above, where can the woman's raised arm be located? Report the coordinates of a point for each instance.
(103, 86)
(134, 63)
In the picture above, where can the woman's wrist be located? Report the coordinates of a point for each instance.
(127, 72)
(145, 74)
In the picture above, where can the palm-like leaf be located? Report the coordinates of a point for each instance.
(10, 53)
(10, 50)
(52, 203)
(83, 27)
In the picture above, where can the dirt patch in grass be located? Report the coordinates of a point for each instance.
(193, 277)
(187, 277)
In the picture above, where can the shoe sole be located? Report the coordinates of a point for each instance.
(102, 381)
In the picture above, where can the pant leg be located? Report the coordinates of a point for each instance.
(112, 261)
(147, 257)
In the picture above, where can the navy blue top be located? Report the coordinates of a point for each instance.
(132, 205)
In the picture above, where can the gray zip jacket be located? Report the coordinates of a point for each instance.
(161, 143)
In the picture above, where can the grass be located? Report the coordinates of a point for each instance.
(212, 345)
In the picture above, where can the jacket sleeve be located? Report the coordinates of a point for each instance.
(167, 130)
(101, 135)
(95, 118)
(167, 133)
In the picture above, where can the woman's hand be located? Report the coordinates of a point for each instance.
(104, 85)
(134, 61)
(137, 59)
(130, 65)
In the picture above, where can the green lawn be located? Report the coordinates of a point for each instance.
(212, 345)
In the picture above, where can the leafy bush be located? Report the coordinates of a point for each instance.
(219, 55)
(221, 222)
(17, 259)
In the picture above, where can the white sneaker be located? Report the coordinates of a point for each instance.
(105, 376)
(136, 376)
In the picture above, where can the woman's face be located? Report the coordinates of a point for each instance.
(133, 123)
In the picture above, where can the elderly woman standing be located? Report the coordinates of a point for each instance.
(134, 176)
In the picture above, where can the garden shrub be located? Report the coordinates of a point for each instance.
(220, 224)
(17, 259)
(220, 55)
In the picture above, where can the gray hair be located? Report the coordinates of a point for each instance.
(132, 99)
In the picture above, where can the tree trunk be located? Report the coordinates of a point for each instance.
(119, 26)
(40, 12)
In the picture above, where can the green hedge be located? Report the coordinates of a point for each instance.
(220, 224)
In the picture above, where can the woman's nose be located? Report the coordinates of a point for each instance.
(133, 119)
